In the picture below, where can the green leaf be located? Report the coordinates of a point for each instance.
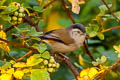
(39, 74)
(2, 2)
(41, 48)
(46, 55)
(2, 63)
(38, 8)
(101, 36)
(5, 17)
(110, 54)
(94, 41)
(11, 8)
(103, 9)
(37, 55)
(93, 34)
(3, 7)
(32, 61)
(33, 32)
(23, 30)
(42, 24)
(6, 65)
(95, 27)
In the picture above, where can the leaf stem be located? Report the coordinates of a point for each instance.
(109, 29)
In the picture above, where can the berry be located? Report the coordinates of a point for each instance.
(19, 19)
(16, 13)
(23, 15)
(53, 65)
(14, 18)
(21, 10)
(52, 60)
(20, 15)
(50, 70)
(49, 65)
(57, 65)
(45, 62)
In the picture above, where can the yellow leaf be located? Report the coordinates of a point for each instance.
(119, 55)
(88, 74)
(4, 45)
(32, 61)
(18, 74)
(84, 72)
(117, 48)
(10, 71)
(26, 70)
(81, 61)
(20, 65)
(79, 78)
(6, 77)
(92, 73)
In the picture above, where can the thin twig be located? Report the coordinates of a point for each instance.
(88, 52)
(68, 64)
(52, 1)
(19, 45)
(67, 11)
(117, 27)
(109, 70)
(21, 58)
(110, 11)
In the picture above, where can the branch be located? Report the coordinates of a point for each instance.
(21, 58)
(68, 64)
(88, 52)
(30, 22)
(19, 45)
(109, 70)
(67, 11)
(110, 10)
(52, 1)
(117, 27)
(9, 28)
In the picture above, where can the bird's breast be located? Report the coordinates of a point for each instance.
(61, 47)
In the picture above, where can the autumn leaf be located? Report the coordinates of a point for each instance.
(19, 74)
(75, 5)
(3, 45)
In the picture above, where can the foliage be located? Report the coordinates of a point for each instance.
(21, 21)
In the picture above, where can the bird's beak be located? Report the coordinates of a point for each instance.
(87, 36)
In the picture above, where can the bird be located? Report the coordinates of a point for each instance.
(65, 39)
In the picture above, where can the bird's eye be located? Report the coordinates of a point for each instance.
(78, 31)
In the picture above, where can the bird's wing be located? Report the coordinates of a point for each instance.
(60, 35)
